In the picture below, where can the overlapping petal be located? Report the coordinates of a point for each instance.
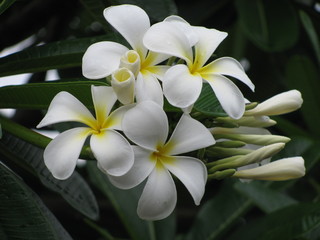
(131, 22)
(180, 87)
(230, 67)
(148, 88)
(146, 125)
(209, 40)
(62, 153)
(159, 196)
(140, 170)
(112, 151)
(166, 38)
(192, 173)
(103, 100)
(64, 107)
(189, 135)
(114, 121)
(228, 94)
(101, 59)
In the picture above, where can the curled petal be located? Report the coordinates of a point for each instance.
(140, 170)
(64, 107)
(146, 125)
(123, 82)
(180, 87)
(131, 61)
(192, 173)
(62, 153)
(189, 135)
(149, 88)
(228, 94)
(166, 38)
(131, 22)
(230, 67)
(112, 151)
(209, 40)
(103, 100)
(101, 59)
(159, 196)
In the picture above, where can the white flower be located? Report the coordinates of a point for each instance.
(280, 170)
(147, 126)
(112, 151)
(182, 83)
(282, 103)
(103, 58)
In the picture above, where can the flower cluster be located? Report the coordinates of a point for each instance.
(168, 60)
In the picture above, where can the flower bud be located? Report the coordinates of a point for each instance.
(284, 169)
(282, 103)
(131, 61)
(122, 81)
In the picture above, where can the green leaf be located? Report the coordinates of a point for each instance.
(40, 95)
(57, 55)
(264, 197)
(156, 9)
(302, 74)
(272, 25)
(22, 213)
(208, 103)
(74, 190)
(5, 4)
(293, 222)
(124, 202)
(311, 31)
(219, 213)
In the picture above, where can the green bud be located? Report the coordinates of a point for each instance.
(222, 174)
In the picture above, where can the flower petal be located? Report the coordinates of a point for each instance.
(230, 67)
(123, 82)
(228, 94)
(158, 71)
(140, 170)
(112, 151)
(154, 58)
(180, 87)
(148, 88)
(166, 38)
(62, 153)
(146, 125)
(192, 173)
(159, 196)
(64, 107)
(101, 59)
(209, 40)
(189, 135)
(103, 100)
(131, 22)
(114, 120)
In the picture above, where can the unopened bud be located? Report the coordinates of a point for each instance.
(123, 82)
(131, 61)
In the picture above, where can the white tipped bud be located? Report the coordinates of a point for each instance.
(280, 170)
(282, 103)
(123, 81)
(131, 61)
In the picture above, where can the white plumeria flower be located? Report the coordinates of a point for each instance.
(147, 125)
(103, 58)
(280, 170)
(182, 84)
(112, 151)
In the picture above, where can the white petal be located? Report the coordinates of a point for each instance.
(140, 170)
(123, 82)
(159, 196)
(192, 173)
(209, 40)
(180, 87)
(228, 94)
(112, 151)
(230, 67)
(166, 38)
(64, 107)
(154, 58)
(101, 59)
(158, 71)
(189, 135)
(62, 153)
(131, 22)
(146, 125)
(149, 88)
(114, 120)
(103, 100)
